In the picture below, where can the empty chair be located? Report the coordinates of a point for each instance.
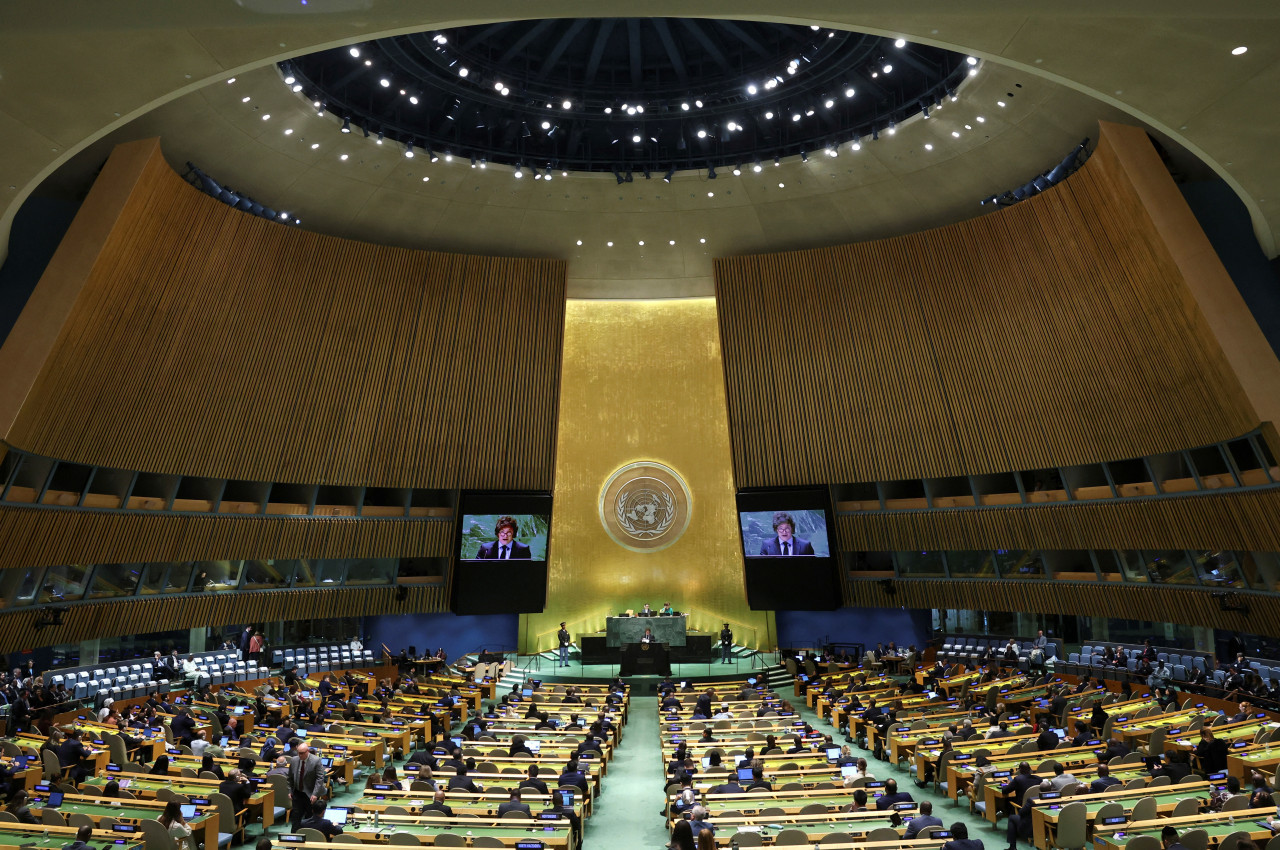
(1073, 824)
(452, 839)
(794, 837)
(1186, 808)
(837, 838)
(883, 833)
(1142, 842)
(51, 817)
(740, 839)
(1230, 842)
(410, 838)
(1198, 839)
(1145, 809)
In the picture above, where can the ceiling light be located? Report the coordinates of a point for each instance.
(368, 62)
(608, 110)
(610, 244)
(829, 103)
(289, 80)
(795, 116)
(473, 160)
(737, 171)
(968, 126)
(537, 175)
(519, 171)
(698, 103)
(804, 155)
(343, 157)
(435, 157)
(703, 240)
(579, 241)
(631, 110)
(245, 99)
(856, 144)
(831, 151)
(484, 163)
(636, 138)
(386, 84)
(425, 179)
(230, 81)
(1239, 51)
(925, 111)
(346, 125)
(640, 109)
(505, 91)
(900, 43)
(683, 106)
(284, 214)
(315, 145)
(972, 60)
(751, 89)
(548, 175)
(973, 72)
(641, 243)
(888, 69)
(266, 116)
(777, 161)
(757, 168)
(782, 185)
(670, 173)
(402, 92)
(928, 147)
(546, 125)
(408, 149)
(791, 69)
(566, 104)
(314, 103)
(497, 86)
(702, 134)
(954, 133)
(462, 72)
(1000, 103)
(981, 120)
(893, 128)
(813, 27)
(671, 241)
(379, 137)
(297, 88)
(413, 98)
(711, 194)
(768, 116)
(289, 131)
(952, 94)
(355, 52)
(809, 112)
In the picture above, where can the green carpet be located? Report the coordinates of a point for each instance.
(628, 810)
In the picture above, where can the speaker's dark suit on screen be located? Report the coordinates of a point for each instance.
(799, 546)
(489, 551)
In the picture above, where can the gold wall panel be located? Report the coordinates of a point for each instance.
(643, 381)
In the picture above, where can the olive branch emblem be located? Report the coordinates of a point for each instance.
(664, 513)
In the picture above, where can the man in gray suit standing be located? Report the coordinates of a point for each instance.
(306, 784)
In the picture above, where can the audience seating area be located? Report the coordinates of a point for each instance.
(322, 658)
(966, 649)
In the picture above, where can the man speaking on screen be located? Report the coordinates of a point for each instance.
(784, 542)
(506, 546)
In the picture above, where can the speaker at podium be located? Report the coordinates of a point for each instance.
(645, 659)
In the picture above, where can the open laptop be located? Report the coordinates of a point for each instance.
(188, 811)
(337, 815)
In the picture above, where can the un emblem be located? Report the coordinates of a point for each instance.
(645, 506)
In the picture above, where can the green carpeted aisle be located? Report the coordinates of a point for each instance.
(627, 812)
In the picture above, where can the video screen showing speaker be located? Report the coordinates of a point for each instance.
(789, 559)
(500, 555)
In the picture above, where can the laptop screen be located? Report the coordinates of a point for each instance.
(566, 798)
(337, 815)
(833, 753)
(534, 746)
(744, 774)
(188, 811)
(55, 800)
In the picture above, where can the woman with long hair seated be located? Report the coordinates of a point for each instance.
(171, 819)
(161, 767)
(682, 836)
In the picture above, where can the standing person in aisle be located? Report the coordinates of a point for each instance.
(726, 645)
(563, 637)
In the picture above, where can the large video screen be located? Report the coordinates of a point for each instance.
(499, 537)
(784, 532)
(789, 557)
(500, 564)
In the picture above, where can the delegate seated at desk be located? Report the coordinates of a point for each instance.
(667, 610)
(646, 611)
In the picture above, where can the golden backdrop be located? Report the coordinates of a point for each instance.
(643, 380)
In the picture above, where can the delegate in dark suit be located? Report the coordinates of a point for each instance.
(797, 546)
(514, 805)
(490, 551)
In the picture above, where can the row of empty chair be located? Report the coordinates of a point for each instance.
(966, 649)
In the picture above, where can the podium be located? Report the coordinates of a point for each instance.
(646, 659)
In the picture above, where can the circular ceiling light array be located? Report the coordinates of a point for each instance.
(556, 90)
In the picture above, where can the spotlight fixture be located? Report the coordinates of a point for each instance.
(617, 173)
(711, 171)
(893, 128)
(856, 144)
(520, 171)
(777, 160)
(547, 176)
(757, 167)
(671, 172)
(408, 149)
(473, 160)
(804, 155)
(875, 134)
(346, 125)
(432, 155)
(924, 110)
(379, 137)
(737, 170)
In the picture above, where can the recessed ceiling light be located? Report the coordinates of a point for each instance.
(385, 83)
(928, 147)
(230, 81)
(698, 103)
(244, 99)
(968, 126)
(343, 157)
(702, 134)
(505, 91)
(641, 243)
(849, 92)
(671, 242)
(413, 99)
(902, 42)
(608, 110)
(566, 104)
(711, 194)
(368, 62)
(497, 86)
(610, 244)
(981, 120)
(782, 185)
(462, 72)
(1000, 103)
(703, 240)
(954, 133)
(289, 131)
(546, 125)
(1240, 51)
(315, 145)
(972, 60)
(829, 103)
(355, 52)
(636, 138)
(768, 116)
(683, 106)
(266, 116)
(888, 69)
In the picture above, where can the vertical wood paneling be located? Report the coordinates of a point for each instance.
(1055, 332)
(34, 537)
(211, 342)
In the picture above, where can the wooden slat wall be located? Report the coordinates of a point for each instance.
(1055, 332)
(211, 342)
(1194, 607)
(34, 537)
(158, 614)
(1247, 520)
